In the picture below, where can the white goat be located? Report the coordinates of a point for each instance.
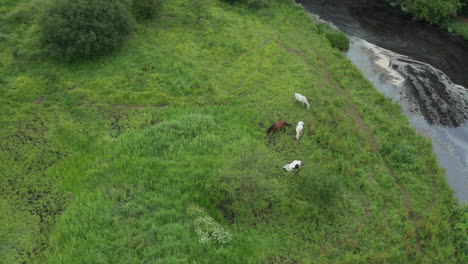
(302, 99)
(293, 165)
(299, 128)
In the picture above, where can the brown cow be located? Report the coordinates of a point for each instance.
(278, 126)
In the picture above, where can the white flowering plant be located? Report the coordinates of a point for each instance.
(207, 229)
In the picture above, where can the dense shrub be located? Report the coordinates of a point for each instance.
(432, 11)
(147, 9)
(74, 29)
(336, 38)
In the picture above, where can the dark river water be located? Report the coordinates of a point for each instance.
(421, 67)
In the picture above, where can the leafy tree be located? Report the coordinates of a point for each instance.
(74, 29)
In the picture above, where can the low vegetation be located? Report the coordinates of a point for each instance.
(157, 151)
(148, 9)
(459, 27)
(336, 38)
(76, 29)
(434, 11)
(440, 12)
(253, 4)
(199, 9)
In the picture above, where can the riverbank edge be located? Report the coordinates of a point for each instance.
(457, 27)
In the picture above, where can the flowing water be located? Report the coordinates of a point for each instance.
(422, 68)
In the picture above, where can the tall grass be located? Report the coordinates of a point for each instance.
(336, 38)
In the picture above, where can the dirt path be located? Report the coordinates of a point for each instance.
(353, 110)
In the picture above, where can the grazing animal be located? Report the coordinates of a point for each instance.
(278, 126)
(299, 128)
(302, 99)
(293, 165)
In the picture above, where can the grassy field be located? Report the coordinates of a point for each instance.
(157, 153)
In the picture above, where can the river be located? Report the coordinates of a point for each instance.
(421, 67)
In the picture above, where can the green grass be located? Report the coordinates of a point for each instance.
(459, 28)
(103, 160)
(336, 38)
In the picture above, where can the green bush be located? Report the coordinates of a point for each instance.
(433, 11)
(464, 10)
(335, 37)
(147, 9)
(74, 29)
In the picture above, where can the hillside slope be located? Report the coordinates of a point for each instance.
(157, 153)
